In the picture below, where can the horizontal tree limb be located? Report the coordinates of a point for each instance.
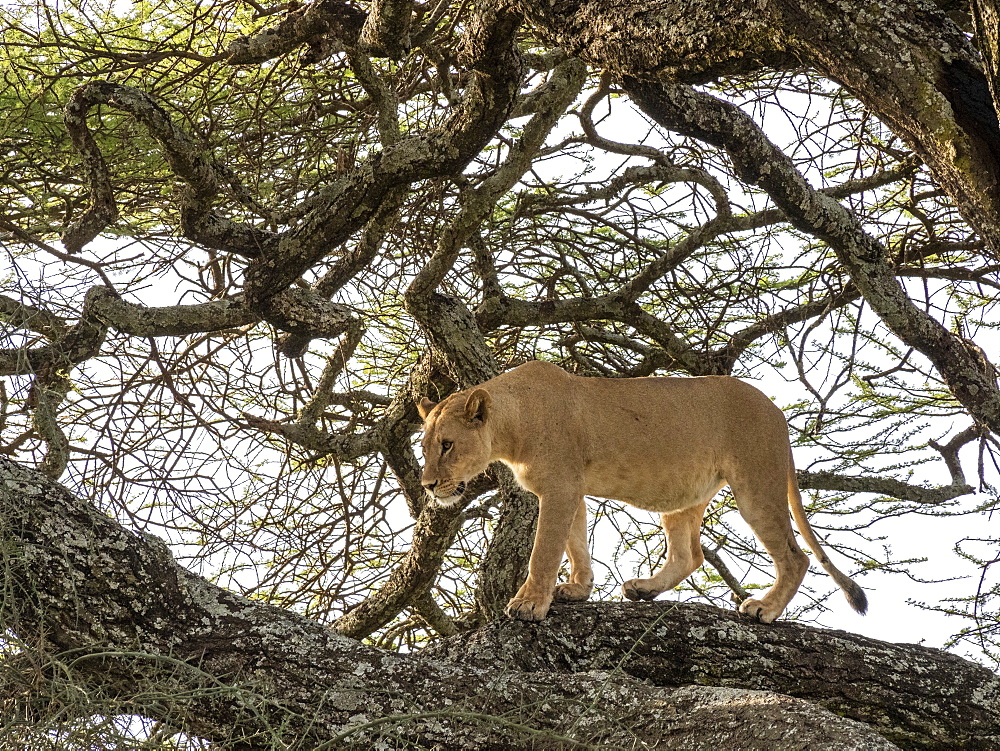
(120, 616)
(886, 486)
(915, 696)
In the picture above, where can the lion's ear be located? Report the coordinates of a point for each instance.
(424, 407)
(477, 405)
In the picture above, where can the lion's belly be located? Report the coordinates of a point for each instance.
(660, 488)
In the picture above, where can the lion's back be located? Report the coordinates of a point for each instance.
(703, 409)
(658, 443)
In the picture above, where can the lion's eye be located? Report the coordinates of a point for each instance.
(446, 446)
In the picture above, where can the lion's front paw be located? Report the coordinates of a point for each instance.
(760, 610)
(572, 592)
(523, 609)
(640, 589)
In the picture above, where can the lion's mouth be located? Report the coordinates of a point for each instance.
(452, 497)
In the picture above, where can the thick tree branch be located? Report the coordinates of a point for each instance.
(885, 486)
(103, 208)
(104, 309)
(915, 696)
(52, 365)
(170, 320)
(986, 19)
(682, 41)
(327, 26)
(386, 32)
(907, 62)
(130, 622)
(124, 620)
(938, 100)
(348, 203)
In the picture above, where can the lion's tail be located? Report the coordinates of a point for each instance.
(855, 594)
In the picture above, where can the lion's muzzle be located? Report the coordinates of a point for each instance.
(446, 494)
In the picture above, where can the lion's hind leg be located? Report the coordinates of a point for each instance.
(581, 574)
(683, 532)
(766, 512)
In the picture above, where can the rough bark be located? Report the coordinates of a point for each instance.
(387, 29)
(915, 696)
(112, 611)
(986, 16)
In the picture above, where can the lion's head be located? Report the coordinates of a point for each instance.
(456, 443)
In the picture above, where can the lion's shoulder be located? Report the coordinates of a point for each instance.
(536, 368)
(538, 374)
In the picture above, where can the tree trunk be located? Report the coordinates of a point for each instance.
(112, 612)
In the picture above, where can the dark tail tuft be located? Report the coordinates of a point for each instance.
(856, 597)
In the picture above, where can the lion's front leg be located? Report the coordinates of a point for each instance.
(581, 574)
(555, 518)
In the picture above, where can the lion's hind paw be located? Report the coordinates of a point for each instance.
(760, 610)
(640, 589)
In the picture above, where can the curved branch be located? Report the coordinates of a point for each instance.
(412, 577)
(186, 159)
(450, 326)
(551, 100)
(326, 25)
(103, 208)
(779, 321)
(47, 392)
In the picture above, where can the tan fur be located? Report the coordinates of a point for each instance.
(667, 445)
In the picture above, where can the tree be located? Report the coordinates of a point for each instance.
(245, 240)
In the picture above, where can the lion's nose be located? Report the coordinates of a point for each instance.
(429, 485)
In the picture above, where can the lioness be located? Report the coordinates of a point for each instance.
(662, 444)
